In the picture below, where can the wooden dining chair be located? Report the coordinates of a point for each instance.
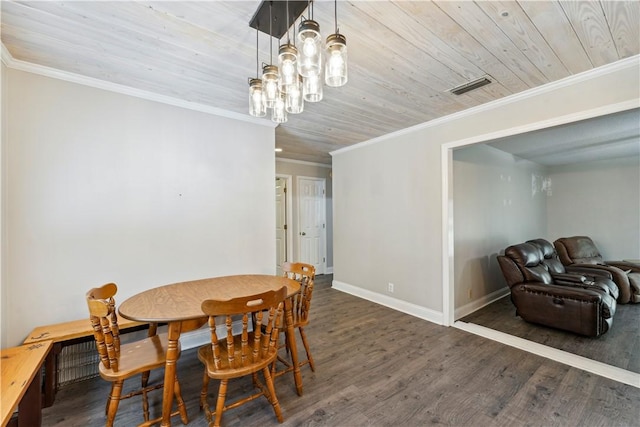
(120, 362)
(305, 274)
(233, 356)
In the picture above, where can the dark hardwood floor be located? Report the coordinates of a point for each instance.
(379, 367)
(619, 347)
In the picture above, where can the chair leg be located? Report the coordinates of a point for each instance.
(303, 335)
(222, 394)
(181, 407)
(203, 394)
(268, 379)
(106, 407)
(114, 400)
(145, 399)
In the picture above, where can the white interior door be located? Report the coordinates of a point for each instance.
(281, 223)
(312, 214)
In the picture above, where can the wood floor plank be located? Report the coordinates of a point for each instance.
(619, 347)
(379, 367)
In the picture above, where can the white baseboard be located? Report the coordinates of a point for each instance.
(481, 302)
(329, 270)
(598, 368)
(195, 338)
(202, 336)
(396, 304)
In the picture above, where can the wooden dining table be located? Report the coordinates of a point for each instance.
(179, 305)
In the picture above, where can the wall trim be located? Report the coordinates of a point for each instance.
(193, 339)
(5, 55)
(570, 359)
(303, 162)
(55, 73)
(289, 213)
(393, 303)
(476, 305)
(632, 61)
(202, 336)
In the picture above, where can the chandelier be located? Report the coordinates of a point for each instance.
(298, 75)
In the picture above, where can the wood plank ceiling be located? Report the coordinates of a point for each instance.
(404, 56)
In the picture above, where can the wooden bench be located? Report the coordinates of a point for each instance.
(62, 335)
(21, 371)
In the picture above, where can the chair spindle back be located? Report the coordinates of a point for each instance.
(266, 309)
(104, 320)
(305, 274)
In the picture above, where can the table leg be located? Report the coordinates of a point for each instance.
(291, 342)
(30, 407)
(50, 383)
(170, 371)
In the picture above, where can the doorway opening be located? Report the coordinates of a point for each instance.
(284, 235)
(312, 224)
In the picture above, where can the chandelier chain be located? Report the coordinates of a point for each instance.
(270, 32)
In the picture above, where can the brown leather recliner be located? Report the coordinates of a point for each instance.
(569, 301)
(562, 273)
(580, 251)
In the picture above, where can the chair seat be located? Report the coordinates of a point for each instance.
(205, 354)
(137, 357)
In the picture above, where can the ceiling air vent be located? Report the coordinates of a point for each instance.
(475, 84)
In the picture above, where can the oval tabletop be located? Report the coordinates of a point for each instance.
(182, 301)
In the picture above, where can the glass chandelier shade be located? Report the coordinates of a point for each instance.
(294, 99)
(279, 113)
(336, 67)
(256, 99)
(310, 49)
(287, 63)
(312, 88)
(270, 85)
(305, 63)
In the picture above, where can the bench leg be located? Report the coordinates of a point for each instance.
(30, 407)
(50, 384)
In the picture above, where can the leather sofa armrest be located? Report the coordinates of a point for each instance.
(626, 266)
(590, 272)
(555, 291)
(560, 278)
(557, 294)
(588, 285)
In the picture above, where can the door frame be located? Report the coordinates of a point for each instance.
(446, 161)
(323, 268)
(288, 213)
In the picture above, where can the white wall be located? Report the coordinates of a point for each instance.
(495, 206)
(386, 219)
(106, 187)
(601, 200)
(388, 224)
(3, 138)
(306, 169)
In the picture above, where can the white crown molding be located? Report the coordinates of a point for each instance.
(622, 64)
(54, 73)
(5, 55)
(302, 162)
